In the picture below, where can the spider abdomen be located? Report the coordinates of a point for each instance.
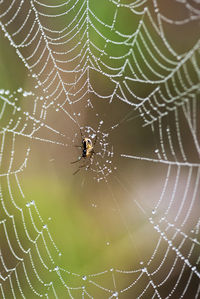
(84, 153)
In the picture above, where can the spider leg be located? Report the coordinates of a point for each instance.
(81, 133)
(83, 165)
(95, 139)
(77, 160)
(76, 171)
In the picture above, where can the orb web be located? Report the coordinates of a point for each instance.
(125, 73)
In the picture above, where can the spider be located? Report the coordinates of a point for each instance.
(87, 151)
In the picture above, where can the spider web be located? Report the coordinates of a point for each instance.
(126, 73)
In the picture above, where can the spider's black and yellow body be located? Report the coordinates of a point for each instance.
(87, 148)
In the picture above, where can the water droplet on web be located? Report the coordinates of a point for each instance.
(187, 262)
(84, 277)
(144, 270)
(115, 294)
(193, 268)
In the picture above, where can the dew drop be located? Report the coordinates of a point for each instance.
(193, 268)
(144, 270)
